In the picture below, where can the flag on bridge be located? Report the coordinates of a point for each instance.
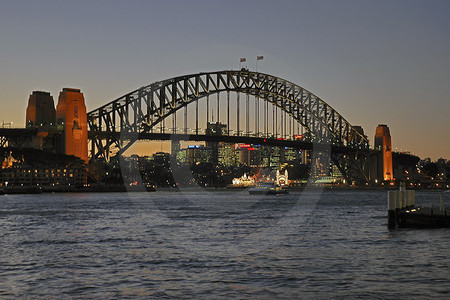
(259, 57)
(243, 60)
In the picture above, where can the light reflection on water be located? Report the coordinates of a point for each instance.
(217, 244)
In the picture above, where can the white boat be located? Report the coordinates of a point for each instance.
(267, 189)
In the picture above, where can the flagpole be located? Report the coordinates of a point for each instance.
(258, 58)
(241, 60)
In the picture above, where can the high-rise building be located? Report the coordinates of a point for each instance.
(227, 155)
(71, 117)
(292, 154)
(276, 157)
(198, 154)
(175, 149)
(247, 155)
(40, 110)
(181, 157)
(243, 156)
(162, 158)
(254, 157)
(384, 161)
(265, 156)
(215, 128)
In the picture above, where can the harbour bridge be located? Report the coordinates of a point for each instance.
(245, 107)
(254, 108)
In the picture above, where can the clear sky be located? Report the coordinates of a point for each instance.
(375, 62)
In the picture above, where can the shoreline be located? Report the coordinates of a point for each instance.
(114, 188)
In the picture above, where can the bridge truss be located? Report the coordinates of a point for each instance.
(147, 108)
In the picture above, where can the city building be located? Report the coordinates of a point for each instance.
(247, 155)
(181, 156)
(265, 156)
(39, 168)
(175, 148)
(196, 154)
(276, 157)
(254, 157)
(292, 154)
(227, 155)
(162, 158)
(215, 128)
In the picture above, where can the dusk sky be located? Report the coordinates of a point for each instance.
(375, 62)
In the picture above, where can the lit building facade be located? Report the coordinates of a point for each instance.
(215, 128)
(42, 169)
(196, 154)
(384, 168)
(292, 154)
(265, 156)
(227, 155)
(276, 157)
(71, 117)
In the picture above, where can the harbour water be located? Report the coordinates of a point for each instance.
(217, 244)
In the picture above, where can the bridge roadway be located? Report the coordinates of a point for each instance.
(241, 139)
(17, 133)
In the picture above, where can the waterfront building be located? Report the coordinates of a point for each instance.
(39, 168)
(24, 175)
(243, 181)
(9, 161)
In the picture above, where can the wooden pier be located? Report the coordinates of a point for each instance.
(403, 213)
(424, 217)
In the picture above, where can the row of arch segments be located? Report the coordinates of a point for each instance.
(143, 109)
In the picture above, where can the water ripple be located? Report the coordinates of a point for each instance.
(172, 245)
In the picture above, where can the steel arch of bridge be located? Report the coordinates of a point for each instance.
(142, 109)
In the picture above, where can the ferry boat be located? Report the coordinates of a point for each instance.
(267, 189)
